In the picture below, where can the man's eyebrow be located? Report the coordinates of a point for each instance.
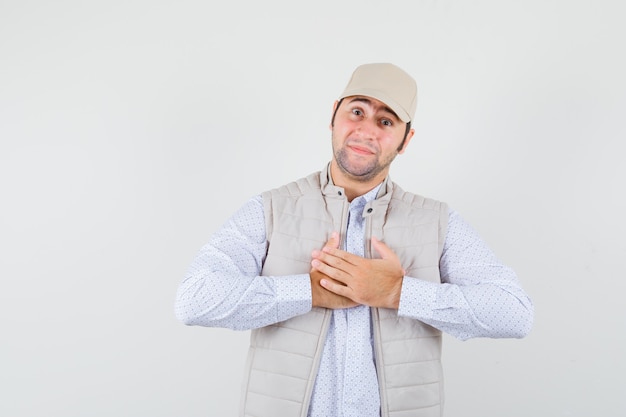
(368, 101)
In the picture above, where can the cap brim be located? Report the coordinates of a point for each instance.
(379, 95)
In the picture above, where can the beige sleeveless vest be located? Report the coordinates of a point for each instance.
(283, 358)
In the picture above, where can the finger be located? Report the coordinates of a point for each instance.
(335, 287)
(348, 257)
(329, 270)
(337, 259)
(383, 250)
(332, 242)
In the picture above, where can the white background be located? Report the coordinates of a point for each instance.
(130, 130)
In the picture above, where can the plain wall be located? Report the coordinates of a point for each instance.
(131, 130)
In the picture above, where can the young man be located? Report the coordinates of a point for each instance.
(347, 281)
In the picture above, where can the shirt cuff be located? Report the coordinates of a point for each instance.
(417, 298)
(293, 295)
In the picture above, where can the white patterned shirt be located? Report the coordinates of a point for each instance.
(478, 297)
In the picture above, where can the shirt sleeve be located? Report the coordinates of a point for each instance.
(478, 295)
(223, 286)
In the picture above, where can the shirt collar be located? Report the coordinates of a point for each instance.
(371, 194)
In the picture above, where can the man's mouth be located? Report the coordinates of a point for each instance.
(361, 150)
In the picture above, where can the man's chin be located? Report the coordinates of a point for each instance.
(361, 174)
(357, 167)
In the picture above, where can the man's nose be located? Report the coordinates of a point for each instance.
(367, 129)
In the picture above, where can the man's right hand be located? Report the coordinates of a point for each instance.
(321, 296)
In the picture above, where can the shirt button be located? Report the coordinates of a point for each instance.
(369, 210)
(339, 192)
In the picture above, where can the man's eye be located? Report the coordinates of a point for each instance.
(357, 112)
(386, 122)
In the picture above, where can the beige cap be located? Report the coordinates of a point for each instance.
(387, 83)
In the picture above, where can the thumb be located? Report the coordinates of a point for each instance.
(333, 241)
(383, 250)
(386, 252)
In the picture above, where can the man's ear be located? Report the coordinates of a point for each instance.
(332, 115)
(409, 136)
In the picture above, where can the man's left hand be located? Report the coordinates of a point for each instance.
(373, 282)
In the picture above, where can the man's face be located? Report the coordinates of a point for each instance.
(366, 137)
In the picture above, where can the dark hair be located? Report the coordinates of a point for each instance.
(406, 131)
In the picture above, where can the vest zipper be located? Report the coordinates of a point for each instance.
(343, 233)
(316, 363)
(375, 319)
